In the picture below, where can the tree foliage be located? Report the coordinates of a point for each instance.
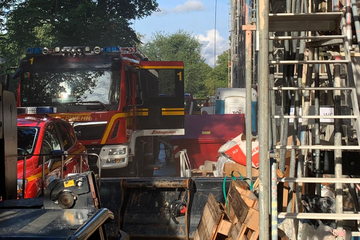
(180, 46)
(218, 77)
(25, 23)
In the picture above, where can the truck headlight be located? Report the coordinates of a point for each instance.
(19, 187)
(117, 151)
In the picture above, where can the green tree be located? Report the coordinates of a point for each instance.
(26, 23)
(218, 77)
(180, 46)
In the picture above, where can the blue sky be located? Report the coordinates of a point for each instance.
(194, 16)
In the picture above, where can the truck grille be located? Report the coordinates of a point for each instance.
(90, 132)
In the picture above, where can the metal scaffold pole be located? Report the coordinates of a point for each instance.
(264, 174)
(248, 68)
(247, 29)
(233, 41)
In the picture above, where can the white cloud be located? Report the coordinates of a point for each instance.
(208, 41)
(163, 11)
(188, 6)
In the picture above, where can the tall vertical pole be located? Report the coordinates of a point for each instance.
(238, 48)
(286, 97)
(274, 200)
(317, 121)
(356, 21)
(248, 9)
(248, 74)
(233, 41)
(348, 23)
(264, 179)
(338, 152)
(248, 69)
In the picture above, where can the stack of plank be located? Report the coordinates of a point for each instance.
(236, 220)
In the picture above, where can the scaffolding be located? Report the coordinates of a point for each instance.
(301, 56)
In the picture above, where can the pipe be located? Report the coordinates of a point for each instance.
(274, 212)
(356, 20)
(272, 98)
(233, 39)
(338, 152)
(348, 23)
(317, 121)
(239, 71)
(248, 10)
(248, 114)
(264, 119)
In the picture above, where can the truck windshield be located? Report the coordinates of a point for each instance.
(71, 89)
(27, 140)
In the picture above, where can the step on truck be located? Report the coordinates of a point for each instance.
(121, 104)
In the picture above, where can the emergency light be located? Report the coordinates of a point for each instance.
(36, 110)
(80, 50)
(76, 50)
(34, 51)
(111, 49)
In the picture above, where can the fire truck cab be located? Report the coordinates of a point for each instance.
(118, 101)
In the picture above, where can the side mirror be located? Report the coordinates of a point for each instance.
(4, 80)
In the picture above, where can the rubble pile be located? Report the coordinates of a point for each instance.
(236, 219)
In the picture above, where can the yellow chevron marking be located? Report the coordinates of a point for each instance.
(172, 113)
(110, 124)
(162, 67)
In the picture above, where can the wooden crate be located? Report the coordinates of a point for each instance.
(214, 223)
(242, 232)
(244, 211)
(238, 220)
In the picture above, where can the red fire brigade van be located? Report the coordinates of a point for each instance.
(46, 143)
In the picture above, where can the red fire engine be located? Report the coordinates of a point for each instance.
(118, 101)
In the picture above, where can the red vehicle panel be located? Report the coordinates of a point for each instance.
(39, 137)
(118, 102)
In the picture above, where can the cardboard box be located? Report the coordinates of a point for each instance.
(235, 149)
(229, 167)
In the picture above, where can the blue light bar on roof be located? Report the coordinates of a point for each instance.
(111, 49)
(34, 51)
(44, 110)
(36, 110)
